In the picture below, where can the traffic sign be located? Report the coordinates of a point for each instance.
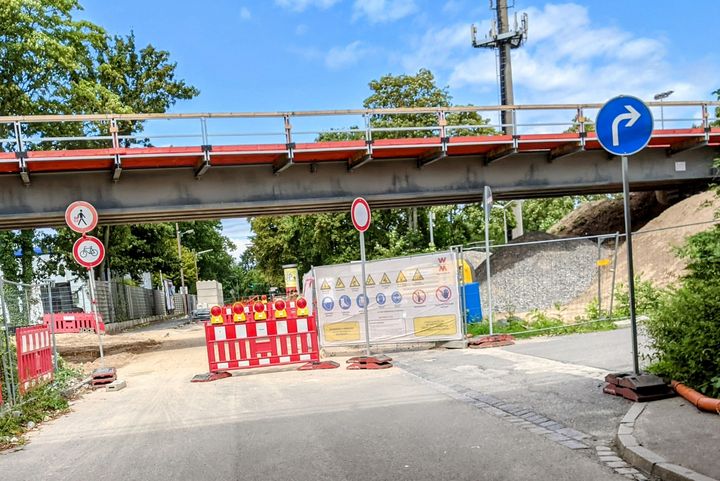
(360, 213)
(88, 251)
(624, 125)
(81, 216)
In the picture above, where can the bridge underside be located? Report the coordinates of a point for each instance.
(315, 181)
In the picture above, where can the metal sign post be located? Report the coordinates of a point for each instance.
(360, 214)
(93, 307)
(487, 196)
(624, 126)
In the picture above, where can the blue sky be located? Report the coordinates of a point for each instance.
(280, 55)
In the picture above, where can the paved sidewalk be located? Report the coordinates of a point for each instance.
(673, 439)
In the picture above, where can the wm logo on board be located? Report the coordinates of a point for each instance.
(442, 265)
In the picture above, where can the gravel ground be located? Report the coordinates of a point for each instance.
(539, 276)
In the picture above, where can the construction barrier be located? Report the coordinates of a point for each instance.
(74, 322)
(261, 336)
(34, 356)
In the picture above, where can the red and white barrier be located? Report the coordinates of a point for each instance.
(74, 322)
(272, 342)
(34, 356)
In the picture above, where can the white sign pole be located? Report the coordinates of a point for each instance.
(364, 290)
(93, 307)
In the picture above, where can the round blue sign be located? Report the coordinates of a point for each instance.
(328, 303)
(344, 302)
(396, 297)
(380, 299)
(624, 125)
(361, 300)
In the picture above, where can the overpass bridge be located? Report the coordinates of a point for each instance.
(212, 177)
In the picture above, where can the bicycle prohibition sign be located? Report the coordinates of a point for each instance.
(88, 251)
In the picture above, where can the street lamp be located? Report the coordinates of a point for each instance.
(662, 96)
(504, 210)
(198, 254)
(182, 273)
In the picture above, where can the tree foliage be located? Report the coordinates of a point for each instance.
(53, 63)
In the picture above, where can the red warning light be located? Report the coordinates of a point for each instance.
(279, 305)
(259, 307)
(238, 308)
(302, 303)
(215, 311)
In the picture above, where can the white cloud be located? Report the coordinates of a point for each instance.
(245, 13)
(301, 29)
(300, 5)
(341, 57)
(568, 58)
(381, 11)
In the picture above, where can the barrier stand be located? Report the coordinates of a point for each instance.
(369, 362)
(266, 335)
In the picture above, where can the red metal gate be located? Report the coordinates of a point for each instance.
(74, 322)
(268, 342)
(34, 356)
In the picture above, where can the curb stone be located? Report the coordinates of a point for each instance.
(644, 459)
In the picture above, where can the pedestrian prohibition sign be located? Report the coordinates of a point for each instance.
(624, 125)
(81, 216)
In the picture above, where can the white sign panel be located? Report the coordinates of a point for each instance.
(410, 299)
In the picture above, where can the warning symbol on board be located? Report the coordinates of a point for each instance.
(339, 284)
(369, 281)
(417, 276)
(401, 278)
(385, 279)
(354, 282)
(325, 286)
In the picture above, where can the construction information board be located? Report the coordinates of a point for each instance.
(410, 299)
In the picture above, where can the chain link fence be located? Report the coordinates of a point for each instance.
(23, 305)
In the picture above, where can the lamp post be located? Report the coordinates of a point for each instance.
(196, 255)
(182, 273)
(662, 96)
(504, 210)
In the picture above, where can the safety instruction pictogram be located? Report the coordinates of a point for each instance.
(443, 293)
(385, 279)
(345, 302)
(400, 278)
(419, 296)
(325, 286)
(369, 281)
(354, 282)
(339, 284)
(417, 276)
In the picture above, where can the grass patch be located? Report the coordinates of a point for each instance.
(539, 323)
(38, 405)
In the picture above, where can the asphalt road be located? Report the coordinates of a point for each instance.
(334, 425)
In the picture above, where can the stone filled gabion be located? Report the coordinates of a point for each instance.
(539, 276)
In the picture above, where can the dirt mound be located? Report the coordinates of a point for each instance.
(654, 245)
(606, 216)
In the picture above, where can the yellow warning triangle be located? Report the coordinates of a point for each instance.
(400, 277)
(325, 286)
(370, 281)
(354, 282)
(417, 276)
(385, 279)
(339, 284)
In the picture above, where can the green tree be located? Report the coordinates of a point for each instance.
(52, 63)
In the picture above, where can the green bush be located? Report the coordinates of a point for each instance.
(684, 332)
(647, 297)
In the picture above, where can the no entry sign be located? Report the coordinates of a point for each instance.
(81, 216)
(88, 251)
(360, 213)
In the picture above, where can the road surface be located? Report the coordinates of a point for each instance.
(317, 425)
